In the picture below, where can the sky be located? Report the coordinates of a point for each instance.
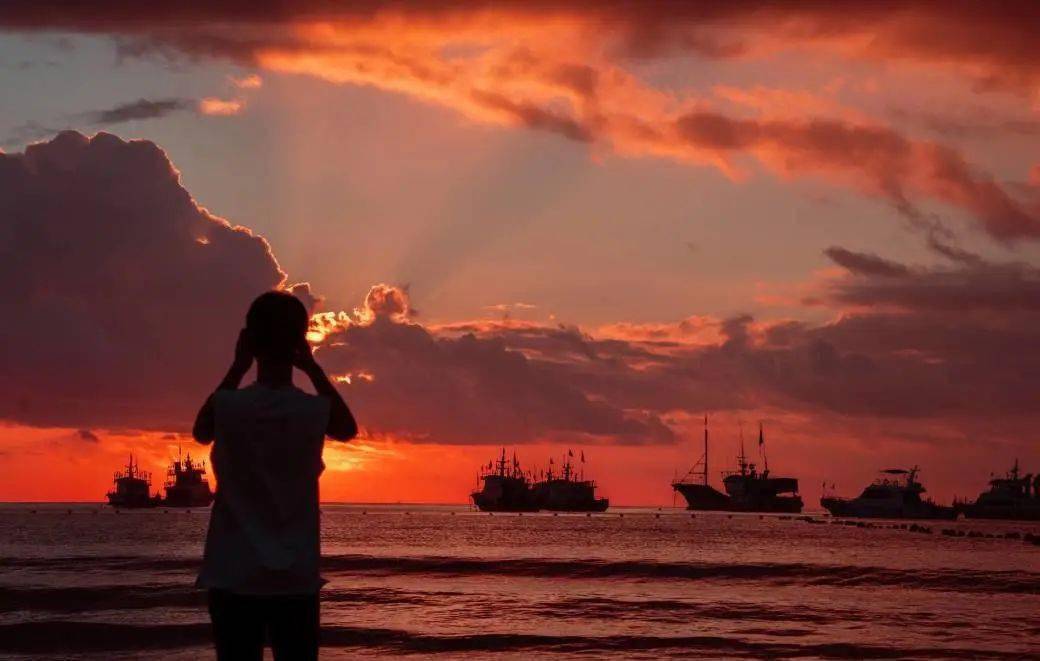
(534, 225)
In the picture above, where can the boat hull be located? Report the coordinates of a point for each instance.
(120, 501)
(485, 503)
(1001, 512)
(503, 493)
(597, 505)
(858, 508)
(704, 498)
(191, 497)
(565, 495)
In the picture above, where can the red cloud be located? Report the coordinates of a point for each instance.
(567, 68)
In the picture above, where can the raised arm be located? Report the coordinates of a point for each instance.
(342, 425)
(203, 430)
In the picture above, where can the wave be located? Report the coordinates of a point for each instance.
(76, 599)
(51, 638)
(958, 580)
(83, 599)
(674, 611)
(1019, 582)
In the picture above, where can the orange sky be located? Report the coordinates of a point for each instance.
(544, 225)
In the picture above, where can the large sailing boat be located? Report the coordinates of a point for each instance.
(694, 486)
(747, 489)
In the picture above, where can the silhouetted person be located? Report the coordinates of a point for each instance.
(262, 548)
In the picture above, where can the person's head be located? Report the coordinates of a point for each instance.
(277, 324)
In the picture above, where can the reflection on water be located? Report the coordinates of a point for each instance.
(629, 583)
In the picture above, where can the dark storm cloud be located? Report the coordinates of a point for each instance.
(141, 109)
(972, 287)
(858, 262)
(940, 344)
(452, 388)
(125, 297)
(138, 110)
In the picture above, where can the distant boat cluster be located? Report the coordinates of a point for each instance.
(506, 487)
(186, 486)
(895, 494)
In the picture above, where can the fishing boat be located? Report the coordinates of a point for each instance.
(186, 484)
(505, 487)
(747, 488)
(132, 488)
(567, 490)
(1012, 497)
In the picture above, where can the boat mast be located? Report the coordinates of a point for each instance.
(705, 449)
(762, 446)
(742, 459)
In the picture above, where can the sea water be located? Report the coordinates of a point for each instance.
(83, 581)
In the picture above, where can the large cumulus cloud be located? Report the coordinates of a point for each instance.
(945, 346)
(412, 382)
(123, 295)
(125, 298)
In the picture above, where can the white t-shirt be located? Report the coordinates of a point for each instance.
(264, 529)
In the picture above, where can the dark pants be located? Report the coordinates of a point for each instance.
(242, 622)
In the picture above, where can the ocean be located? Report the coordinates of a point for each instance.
(81, 581)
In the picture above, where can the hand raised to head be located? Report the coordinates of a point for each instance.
(244, 352)
(303, 357)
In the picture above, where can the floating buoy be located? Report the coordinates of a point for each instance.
(589, 514)
(693, 516)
